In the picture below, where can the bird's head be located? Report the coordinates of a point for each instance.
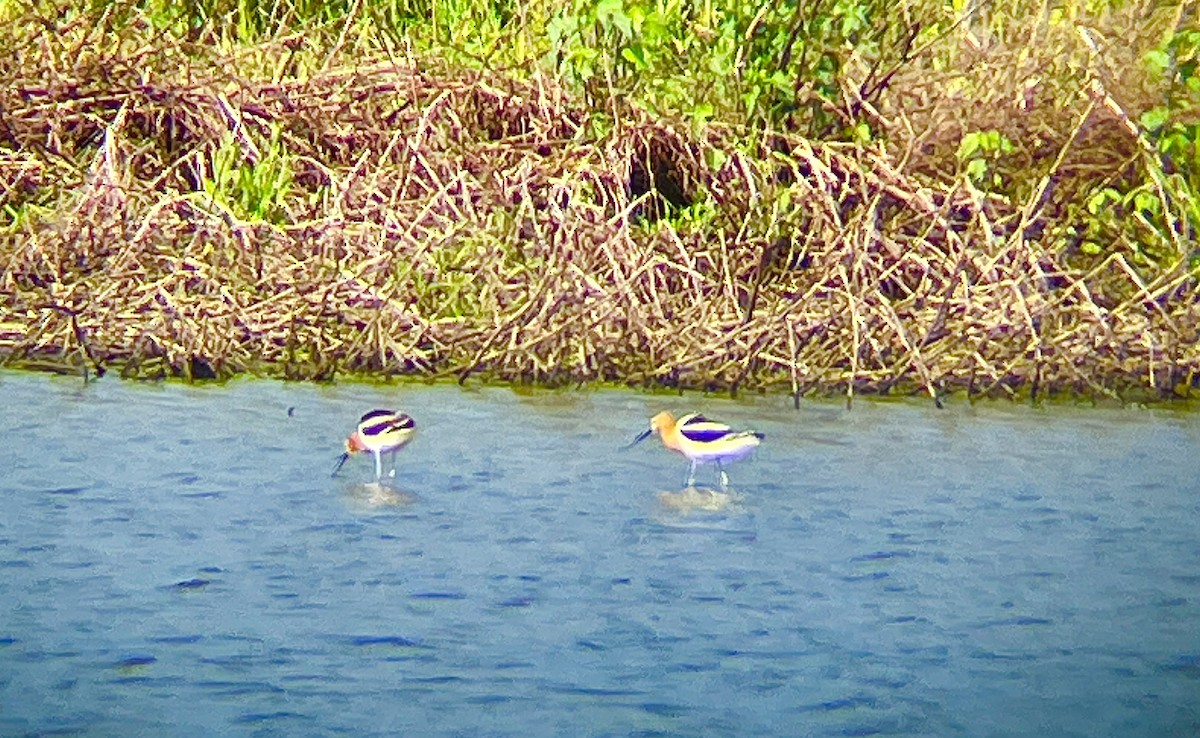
(353, 445)
(662, 422)
(659, 423)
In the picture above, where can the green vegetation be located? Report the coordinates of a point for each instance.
(842, 195)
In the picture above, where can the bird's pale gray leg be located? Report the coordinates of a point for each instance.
(378, 466)
(691, 480)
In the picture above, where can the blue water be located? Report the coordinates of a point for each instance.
(177, 560)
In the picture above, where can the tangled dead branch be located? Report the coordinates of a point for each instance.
(400, 218)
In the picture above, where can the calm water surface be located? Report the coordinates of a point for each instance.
(177, 561)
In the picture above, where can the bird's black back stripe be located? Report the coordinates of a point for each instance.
(388, 425)
(704, 435)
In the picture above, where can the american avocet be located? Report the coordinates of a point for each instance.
(702, 441)
(380, 432)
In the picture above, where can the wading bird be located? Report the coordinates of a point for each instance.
(702, 441)
(380, 432)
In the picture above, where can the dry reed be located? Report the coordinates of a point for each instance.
(428, 221)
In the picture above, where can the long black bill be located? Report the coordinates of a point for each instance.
(341, 461)
(641, 437)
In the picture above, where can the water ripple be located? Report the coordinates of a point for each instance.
(393, 641)
(915, 570)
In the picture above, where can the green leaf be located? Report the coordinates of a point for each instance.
(654, 29)
(1146, 202)
(635, 55)
(1158, 61)
(1096, 203)
(717, 159)
(976, 169)
(968, 146)
(606, 8)
(611, 14)
(561, 28)
(785, 200)
(1153, 119)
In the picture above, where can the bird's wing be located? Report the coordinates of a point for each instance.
(701, 430)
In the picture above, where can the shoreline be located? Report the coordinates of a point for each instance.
(1133, 395)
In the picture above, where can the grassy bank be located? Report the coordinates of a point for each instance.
(832, 197)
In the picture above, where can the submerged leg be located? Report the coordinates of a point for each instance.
(378, 466)
(392, 473)
(691, 480)
(724, 478)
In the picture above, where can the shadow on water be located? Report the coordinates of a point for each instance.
(375, 495)
(699, 510)
(699, 499)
